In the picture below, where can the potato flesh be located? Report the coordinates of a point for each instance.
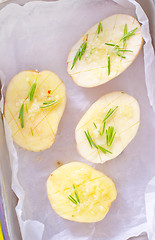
(40, 125)
(95, 190)
(125, 119)
(92, 69)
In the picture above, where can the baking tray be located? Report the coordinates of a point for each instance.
(8, 199)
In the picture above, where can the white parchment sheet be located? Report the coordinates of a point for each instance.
(39, 36)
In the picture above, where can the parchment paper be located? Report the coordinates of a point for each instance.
(39, 36)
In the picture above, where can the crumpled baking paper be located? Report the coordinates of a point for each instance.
(39, 36)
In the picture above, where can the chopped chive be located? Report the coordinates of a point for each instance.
(104, 150)
(120, 55)
(88, 139)
(111, 44)
(129, 34)
(76, 195)
(72, 199)
(108, 65)
(100, 28)
(109, 113)
(21, 115)
(125, 32)
(79, 53)
(50, 104)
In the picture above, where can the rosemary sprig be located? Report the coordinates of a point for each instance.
(32, 90)
(111, 44)
(79, 53)
(103, 149)
(95, 125)
(101, 133)
(120, 55)
(112, 139)
(110, 134)
(21, 114)
(30, 94)
(125, 32)
(108, 65)
(91, 140)
(88, 139)
(48, 104)
(117, 47)
(128, 35)
(124, 50)
(76, 195)
(100, 28)
(109, 113)
(103, 129)
(72, 199)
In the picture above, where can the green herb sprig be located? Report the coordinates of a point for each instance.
(92, 143)
(128, 34)
(21, 115)
(111, 44)
(90, 140)
(32, 90)
(104, 150)
(100, 28)
(49, 103)
(124, 50)
(109, 113)
(120, 55)
(109, 65)
(72, 199)
(79, 53)
(117, 48)
(110, 134)
(95, 125)
(125, 32)
(76, 195)
(100, 132)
